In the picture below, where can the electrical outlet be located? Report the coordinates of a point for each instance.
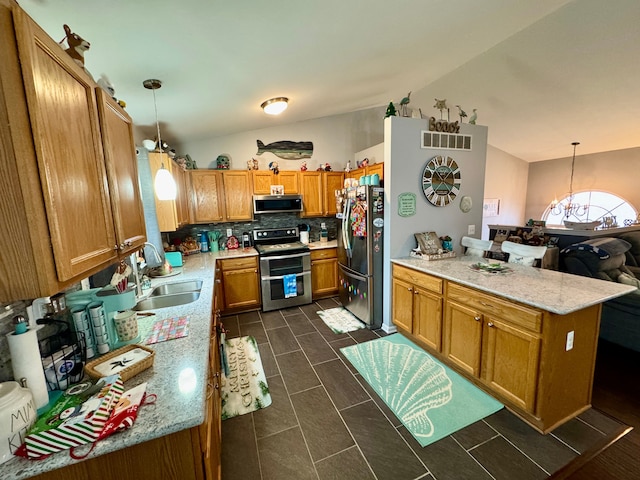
(569, 344)
(229, 232)
(471, 230)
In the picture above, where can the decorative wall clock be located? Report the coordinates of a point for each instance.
(441, 180)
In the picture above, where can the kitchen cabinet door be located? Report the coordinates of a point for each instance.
(262, 181)
(240, 283)
(289, 180)
(324, 272)
(207, 196)
(122, 171)
(183, 191)
(506, 350)
(402, 307)
(66, 135)
(238, 195)
(166, 210)
(311, 187)
(427, 311)
(462, 337)
(376, 168)
(332, 181)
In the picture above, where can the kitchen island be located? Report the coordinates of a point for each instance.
(528, 337)
(159, 445)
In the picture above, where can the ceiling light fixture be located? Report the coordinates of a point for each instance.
(569, 207)
(164, 184)
(275, 106)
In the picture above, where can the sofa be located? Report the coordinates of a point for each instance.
(605, 259)
(633, 254)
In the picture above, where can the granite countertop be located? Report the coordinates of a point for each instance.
(556, 292)
(178, 376)
(321, 245)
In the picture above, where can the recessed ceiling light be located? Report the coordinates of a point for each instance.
(275, 106)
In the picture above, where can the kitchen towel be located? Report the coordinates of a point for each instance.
(168, 329)
(25, 359)
(290, 286)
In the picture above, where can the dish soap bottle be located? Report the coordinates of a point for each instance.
(204, 242)
(324, 234)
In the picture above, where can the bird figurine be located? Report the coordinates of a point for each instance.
(461, 113)
(403, 105)
(474, 117)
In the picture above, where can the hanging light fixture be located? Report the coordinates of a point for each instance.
(570, 208)
(275, 106)
(164, 184)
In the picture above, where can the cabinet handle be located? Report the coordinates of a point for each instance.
(216, 386)
(218, 281)
(415, 292)
(116, 247)
(410, 289)
(477, 318)
(490, 324)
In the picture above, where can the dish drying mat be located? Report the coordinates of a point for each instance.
(168, 329)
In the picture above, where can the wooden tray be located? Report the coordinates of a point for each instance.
(127, 372)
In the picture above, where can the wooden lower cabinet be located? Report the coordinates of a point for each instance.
(324, 272)
(515, 352)
(417, 305)
(240, 280)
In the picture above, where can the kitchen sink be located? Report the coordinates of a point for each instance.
(177, 287)
(167, 300)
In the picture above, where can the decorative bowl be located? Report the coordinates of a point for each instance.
(582, 225)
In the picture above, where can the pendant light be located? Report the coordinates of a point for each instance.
(164, 184)
(570, 207)
(275, 106)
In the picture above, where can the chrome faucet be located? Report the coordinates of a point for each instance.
(137, 271)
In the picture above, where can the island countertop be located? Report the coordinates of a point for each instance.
(178, 376)
(556, 292)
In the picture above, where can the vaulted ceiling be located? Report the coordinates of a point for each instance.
(541, 74)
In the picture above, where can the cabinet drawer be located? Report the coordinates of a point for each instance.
(324, 253)
(420, 279)
(488, 304)
(237, 263)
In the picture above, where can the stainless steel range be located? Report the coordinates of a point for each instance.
(285, 267)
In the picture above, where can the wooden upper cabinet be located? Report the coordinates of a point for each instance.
(66, 135)
(238, 188)
(207, 197)
(122, 171)
(318, 192)
(312, 197)
(332, 181)
(182, 195)
(264, 179)
(166, 210)
(376, 168)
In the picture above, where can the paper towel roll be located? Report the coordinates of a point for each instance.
(26, 362)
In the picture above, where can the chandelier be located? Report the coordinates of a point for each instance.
(570, 208)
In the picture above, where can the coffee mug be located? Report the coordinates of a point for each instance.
(126, 325)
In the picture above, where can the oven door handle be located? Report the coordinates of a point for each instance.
(280, 277)
(280, 257)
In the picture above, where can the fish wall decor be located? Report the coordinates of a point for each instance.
(287, 149)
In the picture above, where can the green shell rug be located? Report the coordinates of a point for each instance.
(431, 400)
(244, 385)
(340, 320)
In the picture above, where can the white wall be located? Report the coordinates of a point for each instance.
(506, 180)
(404, 164)
(335, 139)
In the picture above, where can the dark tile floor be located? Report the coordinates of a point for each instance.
(325, 422)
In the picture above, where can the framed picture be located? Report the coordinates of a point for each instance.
(277, 189)
(491, 207)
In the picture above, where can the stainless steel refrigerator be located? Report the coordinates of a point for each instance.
(360, 259)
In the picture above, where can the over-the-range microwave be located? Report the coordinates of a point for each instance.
(277, 203)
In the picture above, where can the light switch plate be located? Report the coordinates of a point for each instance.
(471, 230)
(229, 232)
(569, 344)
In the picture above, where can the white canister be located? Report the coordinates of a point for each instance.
(17, 415)
(304, 237)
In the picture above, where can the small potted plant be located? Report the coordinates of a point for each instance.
(446, 243)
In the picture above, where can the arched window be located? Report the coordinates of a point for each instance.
(594, 205)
